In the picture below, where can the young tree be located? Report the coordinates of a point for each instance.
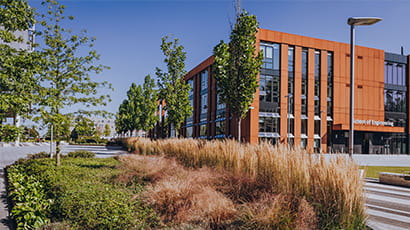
(17, 64)
(123, 118)
(172, 86)
(149, 105)
(65, 75)
(236, 67)
(138, 111)
(84, 127)
(107, 130)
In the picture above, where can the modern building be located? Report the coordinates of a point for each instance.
(303, 98)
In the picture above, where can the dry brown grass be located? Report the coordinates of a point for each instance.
(333, 187)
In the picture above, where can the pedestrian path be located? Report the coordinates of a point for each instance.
(388, 206)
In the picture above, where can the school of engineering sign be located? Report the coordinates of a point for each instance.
(373, 122)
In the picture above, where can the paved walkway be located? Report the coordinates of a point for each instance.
(388, 207)
(376, 160)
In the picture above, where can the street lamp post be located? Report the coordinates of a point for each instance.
(320, 131)
(288, 132)
(355, 21)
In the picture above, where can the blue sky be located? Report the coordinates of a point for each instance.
(129, 32)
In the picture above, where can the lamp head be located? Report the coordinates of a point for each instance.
(363, 21)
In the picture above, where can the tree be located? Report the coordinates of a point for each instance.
(68, 61)
(149, 104)
(138, 111)
(17, 64)
(84, 127)
(107, 130)
(123, 118)
(30, 133)
(236, 67)
(173, 89)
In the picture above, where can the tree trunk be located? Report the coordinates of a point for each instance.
(58, 152)
(239, 129)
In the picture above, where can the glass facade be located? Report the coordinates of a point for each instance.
(216, 123)
(269, 88)
(203, 128)
(329, 117)
(395, 90)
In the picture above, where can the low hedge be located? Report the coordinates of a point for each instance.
(81, 154)
(82, 192)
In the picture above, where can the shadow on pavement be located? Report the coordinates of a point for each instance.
(5, 222)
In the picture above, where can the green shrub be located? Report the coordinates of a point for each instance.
(30, 205)
(91, 140)
(9, 133)
(85, 196)
(81, 154)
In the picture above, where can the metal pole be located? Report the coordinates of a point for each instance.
(351, 124)
(51, 141)
(288, 120)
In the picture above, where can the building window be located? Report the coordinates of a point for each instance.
(269, 124)
(329, 84)
(271, 55)
(395, 101)
(204, 80)
(291, 80)
(395, 73)
(317, 83)
(203, 131)
(220, 128)
(269, 88)
(304, 126)
(291, 60)
(191, 87)
(219, 104)
(317, 127)
(304, 81)
(189, 131)
(204, 103)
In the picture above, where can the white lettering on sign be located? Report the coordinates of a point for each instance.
(373, 122)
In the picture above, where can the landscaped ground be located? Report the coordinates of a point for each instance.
(188, 184)
(373, 171)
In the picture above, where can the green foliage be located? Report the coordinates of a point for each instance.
(9, 133)
(30, 133)
(84, 127)
(138, 111)
(81, 154)
(172, 86)
(68, 61)
(237, 65)
(84, 194)
(18, 65)
(107, 130)
(123, 117)
(91, 140)
(30, 203)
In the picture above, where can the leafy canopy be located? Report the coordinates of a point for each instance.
(172, 86)
(237, 65)
(18, 65)
(68, 61)
(137, 112)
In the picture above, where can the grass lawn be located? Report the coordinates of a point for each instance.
(373, 171)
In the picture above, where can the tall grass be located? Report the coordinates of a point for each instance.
(334, 188)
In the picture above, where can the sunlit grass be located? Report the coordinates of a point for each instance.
(333, 187)
(373, 171)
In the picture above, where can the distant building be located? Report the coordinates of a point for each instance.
(100, 124)
(303, 97)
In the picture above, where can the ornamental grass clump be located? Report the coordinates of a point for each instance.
(333, 189)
